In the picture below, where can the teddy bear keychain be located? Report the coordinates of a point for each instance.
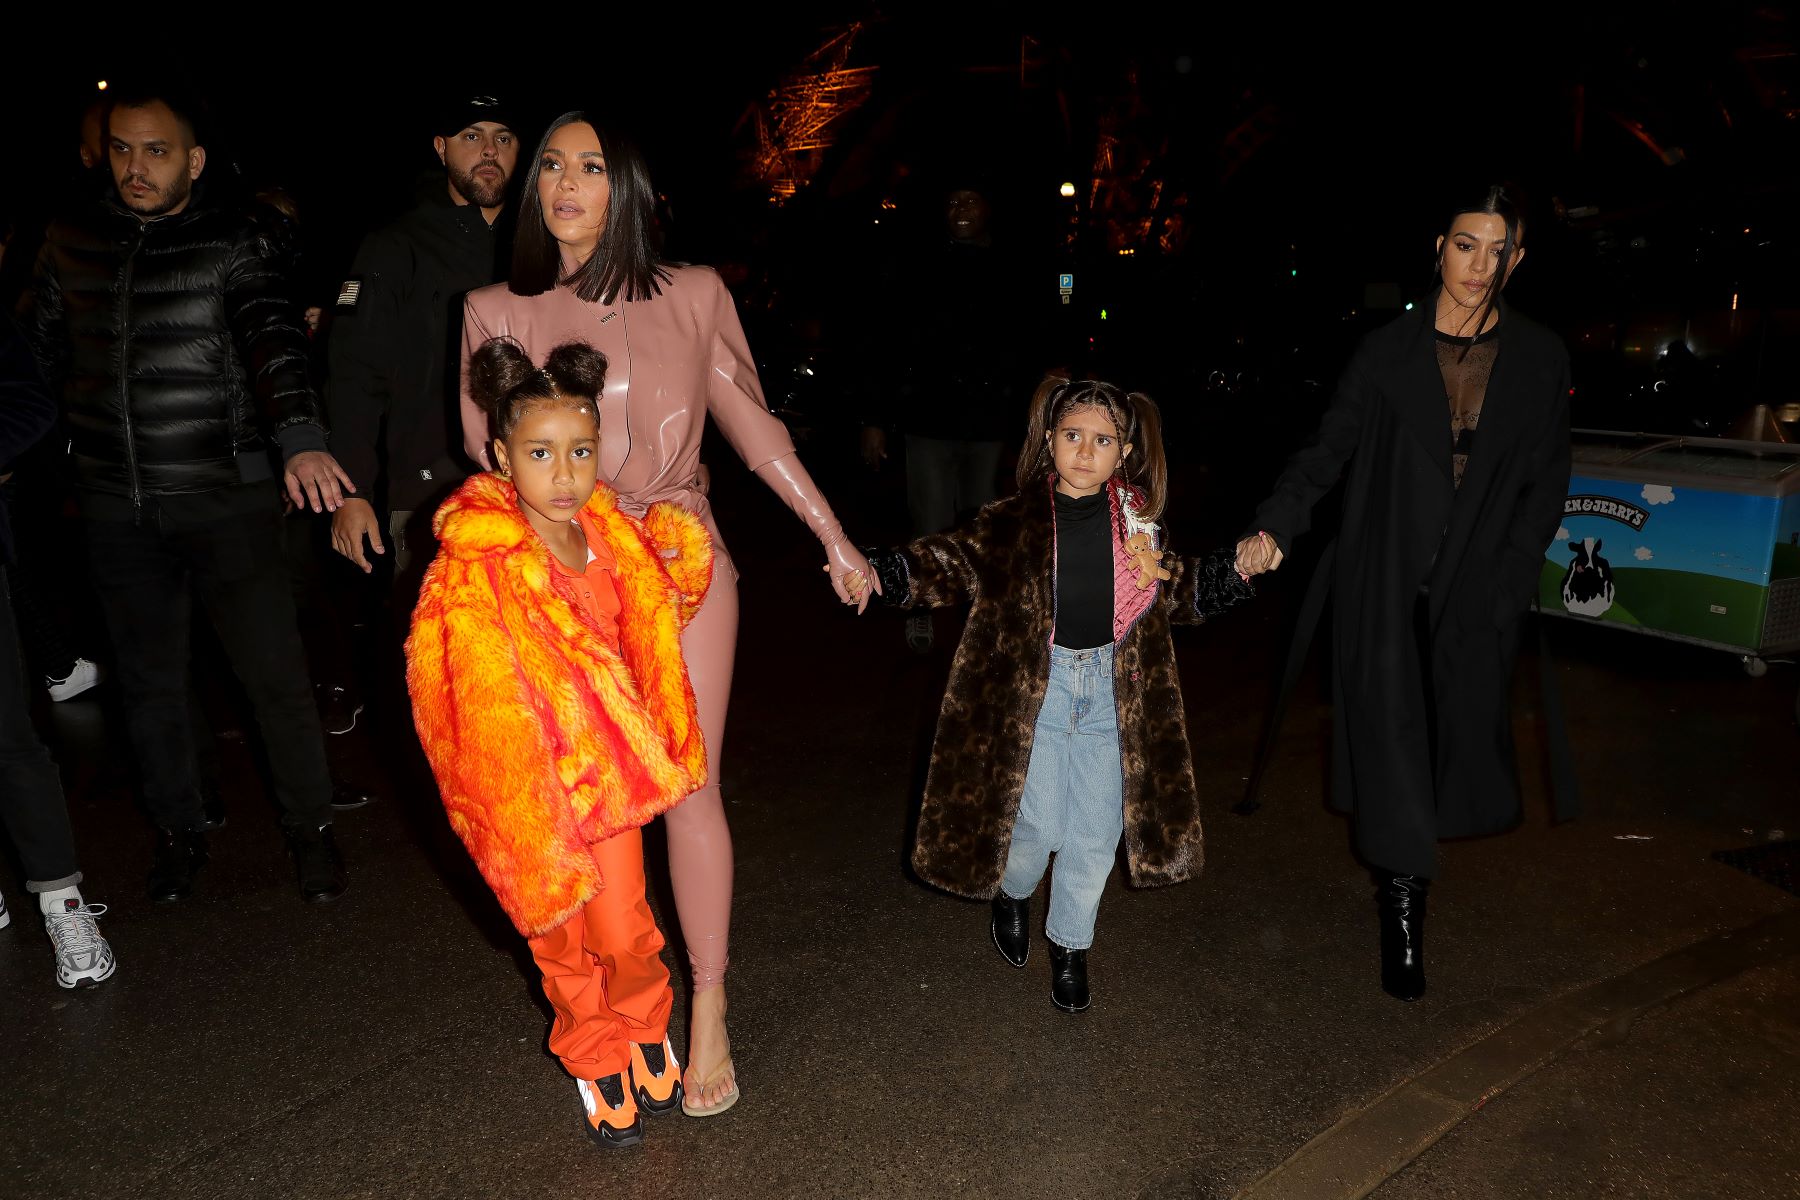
(1149, 562)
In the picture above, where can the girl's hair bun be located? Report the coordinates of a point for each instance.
(504, 382)
(497, 368)
(577, 369)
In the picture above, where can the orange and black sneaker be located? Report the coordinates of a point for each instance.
(655, 1077)
(612, 1114)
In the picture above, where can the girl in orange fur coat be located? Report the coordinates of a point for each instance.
(549, 692)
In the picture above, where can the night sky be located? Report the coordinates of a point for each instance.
(1350, 141)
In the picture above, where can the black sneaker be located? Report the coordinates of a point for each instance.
(320, 866)
(919, 631)
(338, 708)
(179, 853)
(346, 796)
(212, 809)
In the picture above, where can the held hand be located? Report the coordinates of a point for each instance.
(851, 577)
(874, 446)
(351, 524)
(1256, 555)
(314, 476)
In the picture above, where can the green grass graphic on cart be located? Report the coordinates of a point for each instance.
(1674, 601)
(1550, 596)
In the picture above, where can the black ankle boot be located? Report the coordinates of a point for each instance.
(1012, 928)
(1068, 979)
(179, 853)
(1400, 899)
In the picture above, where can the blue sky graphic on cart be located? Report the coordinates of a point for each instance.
(1674, 559)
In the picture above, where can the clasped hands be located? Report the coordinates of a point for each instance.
(1256, 555)
(851, 577)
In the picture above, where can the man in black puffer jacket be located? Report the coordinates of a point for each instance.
(164, 321)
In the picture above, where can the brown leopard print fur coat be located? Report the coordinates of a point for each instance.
(1002, 564)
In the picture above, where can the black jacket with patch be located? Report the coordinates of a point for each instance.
(395, 337)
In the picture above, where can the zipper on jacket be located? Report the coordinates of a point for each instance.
(131, 465)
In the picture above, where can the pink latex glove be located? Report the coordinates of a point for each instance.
(851, 578)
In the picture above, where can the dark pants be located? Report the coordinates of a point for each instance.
(147, 573)
(947, 480)
(39, 576)
(31, 795)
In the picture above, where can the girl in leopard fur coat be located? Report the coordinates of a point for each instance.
(1062, 729)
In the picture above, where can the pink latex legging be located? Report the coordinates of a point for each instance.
(700, 858)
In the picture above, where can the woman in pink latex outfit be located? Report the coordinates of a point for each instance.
(585, 269)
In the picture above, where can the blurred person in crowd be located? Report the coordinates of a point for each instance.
(396, 336)
(32, 806)
(162, 319)
(92, 147)
(32, 490)
(957, 395)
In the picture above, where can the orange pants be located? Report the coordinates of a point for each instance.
(603, 969)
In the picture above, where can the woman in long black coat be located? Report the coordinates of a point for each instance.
(1452, 423)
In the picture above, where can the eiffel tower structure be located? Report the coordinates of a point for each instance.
(796, 122)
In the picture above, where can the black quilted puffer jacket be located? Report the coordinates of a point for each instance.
(175, 348)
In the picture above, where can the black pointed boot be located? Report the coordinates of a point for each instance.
(1068, 979)
(1011, 927)
(1400, 899)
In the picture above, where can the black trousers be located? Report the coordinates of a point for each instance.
(148, 572)
(31, 795)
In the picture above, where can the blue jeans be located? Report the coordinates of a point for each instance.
(1074, 801)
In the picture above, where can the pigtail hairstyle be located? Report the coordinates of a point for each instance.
(1034, 455)
(504, 382)
(1147, 469)
(1133, 414)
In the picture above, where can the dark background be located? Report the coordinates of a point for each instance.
(1311, 162)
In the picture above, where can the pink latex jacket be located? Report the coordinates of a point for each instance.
(679, 357)
(673, 361)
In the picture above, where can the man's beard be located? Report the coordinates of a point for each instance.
(161, 200)
(480, 193)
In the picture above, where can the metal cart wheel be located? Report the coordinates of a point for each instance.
(1755, 667)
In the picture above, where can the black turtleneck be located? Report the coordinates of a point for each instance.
(1084, 571)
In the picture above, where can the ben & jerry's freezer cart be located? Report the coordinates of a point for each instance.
(1694, 539)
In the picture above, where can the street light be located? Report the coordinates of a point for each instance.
(101, 85)
(1067, 189)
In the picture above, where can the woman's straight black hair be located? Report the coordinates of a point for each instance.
(627, 260)
(1495, 204)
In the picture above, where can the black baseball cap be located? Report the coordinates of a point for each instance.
(463, 111)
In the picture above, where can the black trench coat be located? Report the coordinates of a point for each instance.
(1480, 549)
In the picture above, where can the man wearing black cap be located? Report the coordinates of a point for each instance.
(397, 331)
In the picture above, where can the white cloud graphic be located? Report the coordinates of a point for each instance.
(1642, 554)
(1562, 533)
(1658, 493)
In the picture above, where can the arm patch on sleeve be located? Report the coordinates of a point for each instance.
(348, 294)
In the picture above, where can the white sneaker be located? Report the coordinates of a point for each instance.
(85, 675)
(82, 955)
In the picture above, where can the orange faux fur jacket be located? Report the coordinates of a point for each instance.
(542, 738)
